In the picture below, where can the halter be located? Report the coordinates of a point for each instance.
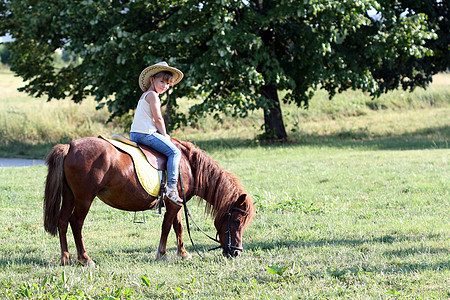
(228, 245)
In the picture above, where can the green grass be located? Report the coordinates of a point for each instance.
(348, 118)
(355, 205)
(29, 127)
(335, 222)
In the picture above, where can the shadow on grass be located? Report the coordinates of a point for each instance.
(417, 250)
(385, 239)
(347, 274)
(429, 138)
(25, 261)
(361, 244)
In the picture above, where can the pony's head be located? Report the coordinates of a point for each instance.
(226, 199)
(230, 226)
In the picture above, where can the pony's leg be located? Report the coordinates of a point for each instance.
(169, 216)
(178, 228)
(63, 222)
(76, 222)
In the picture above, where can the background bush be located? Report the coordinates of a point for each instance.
(4, 53)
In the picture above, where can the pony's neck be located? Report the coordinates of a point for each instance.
(218, 187)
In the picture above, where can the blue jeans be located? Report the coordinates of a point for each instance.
(164, 146)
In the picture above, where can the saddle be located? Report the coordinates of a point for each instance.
(156, 159)
(150, 166)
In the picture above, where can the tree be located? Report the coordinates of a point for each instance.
(412, 71)
(4, 54)
(236, 54)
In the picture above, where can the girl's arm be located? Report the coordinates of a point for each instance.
(155, 107)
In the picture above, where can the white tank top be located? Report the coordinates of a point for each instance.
(143, 118)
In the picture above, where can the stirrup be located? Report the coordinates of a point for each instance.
(172, 194)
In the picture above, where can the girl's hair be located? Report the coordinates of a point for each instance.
(166, 76)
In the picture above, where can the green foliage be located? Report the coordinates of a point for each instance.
(230, 51)
(276, 270)
(65, 58)
(419, 68)
(298, 205)
(4, 54)
(351, 118)
(53, 289)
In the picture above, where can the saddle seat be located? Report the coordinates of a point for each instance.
(156, 159)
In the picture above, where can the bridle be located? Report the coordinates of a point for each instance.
(228, 246)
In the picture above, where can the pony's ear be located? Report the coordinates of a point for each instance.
(241, 199)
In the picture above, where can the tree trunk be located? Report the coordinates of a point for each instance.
(273, 118)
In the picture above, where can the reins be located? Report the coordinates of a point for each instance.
(188, 214)
(228, 235)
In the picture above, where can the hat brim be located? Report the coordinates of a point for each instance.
(144, 78)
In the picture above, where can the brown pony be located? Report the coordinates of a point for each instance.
(89, 167)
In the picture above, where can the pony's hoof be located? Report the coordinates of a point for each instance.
(87, 263)
(185, 255)
(65, 261)
(161, 257)
(90, 264)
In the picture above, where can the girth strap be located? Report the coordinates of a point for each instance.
(160, 199)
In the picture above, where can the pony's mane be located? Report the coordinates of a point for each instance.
(219, 187)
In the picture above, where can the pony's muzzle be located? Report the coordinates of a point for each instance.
(231, 253)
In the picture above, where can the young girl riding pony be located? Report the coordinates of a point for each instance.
(148, 125)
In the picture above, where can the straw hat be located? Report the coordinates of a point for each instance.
(144, 78)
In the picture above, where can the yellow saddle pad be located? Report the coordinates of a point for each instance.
(148, 176)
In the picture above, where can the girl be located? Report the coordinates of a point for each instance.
(148, 126)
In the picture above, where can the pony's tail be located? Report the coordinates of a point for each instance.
(54, 187)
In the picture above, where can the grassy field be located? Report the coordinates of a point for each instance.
(355, 206)
(29, 127)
